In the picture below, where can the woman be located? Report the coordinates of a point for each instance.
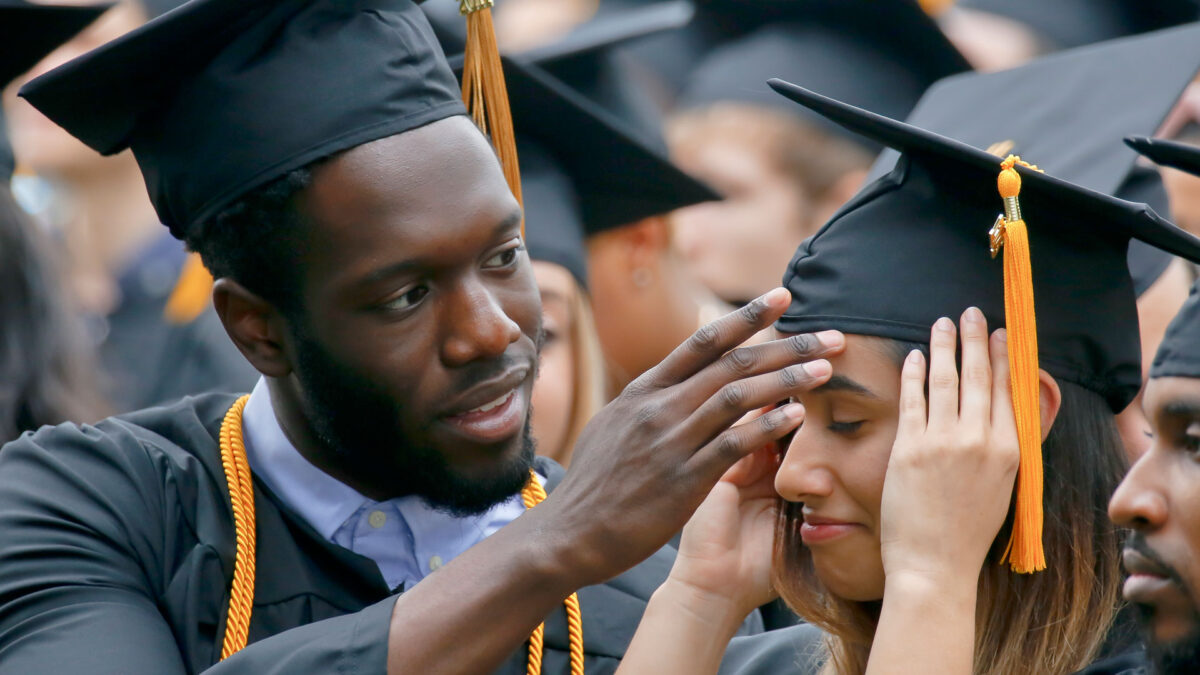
(896, 512)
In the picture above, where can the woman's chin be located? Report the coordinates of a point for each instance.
(854, 582)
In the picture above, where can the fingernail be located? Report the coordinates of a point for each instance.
(945, 325)
(777, 297)
(793, 410)
(973, 315)
(818, 368)
(831, 338)
(1002, 335)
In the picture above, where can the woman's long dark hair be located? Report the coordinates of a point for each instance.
(1051, 622)
(47, 374)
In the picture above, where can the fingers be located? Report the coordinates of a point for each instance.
(975, 390)
(768, 357)
(715, 458)
(714, 339)
(731, 402)
(943, 375)
(1004, 423)
(912, 398)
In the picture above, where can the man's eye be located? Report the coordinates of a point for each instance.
(407, 299)
(845, 427)
(504, 258)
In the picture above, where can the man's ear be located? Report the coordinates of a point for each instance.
(1051, 401)
(254, 325)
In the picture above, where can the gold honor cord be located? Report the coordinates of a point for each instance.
(1024, 553)
(241, 595)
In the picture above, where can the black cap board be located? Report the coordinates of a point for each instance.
(262, 88)
(1178, 354)
(1067, 113)
(1182, 156)
(913, 246)
(618, 177)
(877, 55)
(28, 32)
(1071, 23)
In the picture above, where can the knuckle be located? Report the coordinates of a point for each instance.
(729, 447)
(977, 373)
(741, 360)
(769, 423)
(789, 378)
(752, 313)
(648, 413)
(705, 339)
(732, 396)
(803, 345)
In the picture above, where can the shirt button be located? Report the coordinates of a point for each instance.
(377, 519)
(435, 562)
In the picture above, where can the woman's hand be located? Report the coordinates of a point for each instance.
(950, 477)
(725, 555)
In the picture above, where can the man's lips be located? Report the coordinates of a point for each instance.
(487, 393)
(1148, 580)
(819, 529)
(497, 408)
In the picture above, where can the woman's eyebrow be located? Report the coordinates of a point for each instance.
(843, 383)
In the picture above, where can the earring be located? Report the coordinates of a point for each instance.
(641, 277)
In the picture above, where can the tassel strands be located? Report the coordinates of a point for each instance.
(1024, 553)
(484, 91)
(241, 497)
(533, 494)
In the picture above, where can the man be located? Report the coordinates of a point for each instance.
(370, 265)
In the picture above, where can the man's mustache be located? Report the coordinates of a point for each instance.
(1137, 542)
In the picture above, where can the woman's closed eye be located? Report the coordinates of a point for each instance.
(845, 427)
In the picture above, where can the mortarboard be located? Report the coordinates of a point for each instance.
(262, 89)
(1071, 23)
(938, 203)
(877, 55)
(1182, 156)
(1178, 354)
(619, 178)
(29, 32)
(1068, 112)
(553, 222)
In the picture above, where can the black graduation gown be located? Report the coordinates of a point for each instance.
(117, 554)
(148, 360)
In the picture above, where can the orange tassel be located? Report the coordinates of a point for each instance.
(484, 91)
(191, 294)
(1024, 553)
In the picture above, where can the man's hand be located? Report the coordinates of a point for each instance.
(649, 458)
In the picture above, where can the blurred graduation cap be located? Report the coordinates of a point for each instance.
(262, 89)
(1182, 156)
(554, 230)
(869, 271)
(1068, 112)
(1063, 24)
(1178, 354)
(618, 178)
(878, 55)
(29, 32)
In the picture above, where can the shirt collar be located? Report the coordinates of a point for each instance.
(320, 499)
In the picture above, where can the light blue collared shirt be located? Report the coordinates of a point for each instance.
(405, 537)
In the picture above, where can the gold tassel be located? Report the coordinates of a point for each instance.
(484, 91)
(191, 294)
(1024, 553)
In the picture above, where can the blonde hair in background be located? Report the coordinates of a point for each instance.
(588, 393)
(1052, 622)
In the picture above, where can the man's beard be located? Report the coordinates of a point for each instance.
(1180, 656)
(359, 423)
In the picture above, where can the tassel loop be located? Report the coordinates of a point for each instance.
(1024, 553)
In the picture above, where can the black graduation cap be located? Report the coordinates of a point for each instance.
(1182, 156)
(28, 33)
(878, 55)
(1071, 23)
(261, 89)
(1178, 354)
(618, 177)
(939, 203)
(1067, 112)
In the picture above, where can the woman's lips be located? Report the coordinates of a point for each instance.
(816, 530)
